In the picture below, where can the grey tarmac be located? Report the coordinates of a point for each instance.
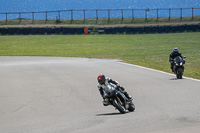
(60, 95)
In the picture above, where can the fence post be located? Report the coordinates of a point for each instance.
(71, 16)
(132, 15)
(108, 15)
(169, 14)
(59, 15)
(19, 17)
(32, 17)
(192, 13)
(46, 17)
(6, 18)
(181, 14)
(96, 16)
(145, 15)
(122, 16)
(84, 15)
(157, 15)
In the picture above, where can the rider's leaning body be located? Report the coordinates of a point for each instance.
(103, 83)
(175, 53)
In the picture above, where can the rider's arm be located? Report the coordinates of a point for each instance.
(113, 81)
(101, 91)
(170, 57)
(117, 84)
(180, 55)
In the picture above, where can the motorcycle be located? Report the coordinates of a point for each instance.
(178, 66)
(119, 100)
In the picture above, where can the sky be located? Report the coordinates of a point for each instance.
(10, 6)
(53, 5)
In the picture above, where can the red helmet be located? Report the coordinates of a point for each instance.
(101, 79)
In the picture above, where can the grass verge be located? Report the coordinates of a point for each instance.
(149, 50)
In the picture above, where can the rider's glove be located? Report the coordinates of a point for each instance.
(122, 88)
(118, 86)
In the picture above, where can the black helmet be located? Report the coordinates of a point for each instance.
(101, 79)
(175, 50)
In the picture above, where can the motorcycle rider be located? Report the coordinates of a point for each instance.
(173, 55)
(102, 85)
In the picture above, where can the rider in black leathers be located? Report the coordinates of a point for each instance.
(173, 55)
(102, 85)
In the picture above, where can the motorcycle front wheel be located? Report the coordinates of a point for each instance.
(180, 73)
(119, 106)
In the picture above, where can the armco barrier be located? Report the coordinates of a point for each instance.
(106, 30)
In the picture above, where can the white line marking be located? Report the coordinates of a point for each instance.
(156, 70)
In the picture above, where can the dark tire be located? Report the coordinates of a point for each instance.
(131, 107)
(119, 106)
(180, 73)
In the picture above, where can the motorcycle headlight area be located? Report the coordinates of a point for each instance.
(181, 63)
(176, 64)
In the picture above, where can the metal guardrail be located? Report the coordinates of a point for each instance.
(97, 16)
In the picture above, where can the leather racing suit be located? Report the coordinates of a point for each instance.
(172, 56)
(103, 88)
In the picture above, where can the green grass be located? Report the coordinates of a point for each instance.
(150, 50)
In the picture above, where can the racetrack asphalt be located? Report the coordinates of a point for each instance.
(60, 95)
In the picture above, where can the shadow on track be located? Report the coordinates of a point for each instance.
(176, 79)
(118, 113)
(173, 79)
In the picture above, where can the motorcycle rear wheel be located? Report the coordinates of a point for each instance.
(131, 107)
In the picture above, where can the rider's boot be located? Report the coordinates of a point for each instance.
(172, 68)
(106, 102)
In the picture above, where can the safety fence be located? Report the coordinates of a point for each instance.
(101, 16)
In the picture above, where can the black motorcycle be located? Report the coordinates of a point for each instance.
(119, 100)
(178, 66)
